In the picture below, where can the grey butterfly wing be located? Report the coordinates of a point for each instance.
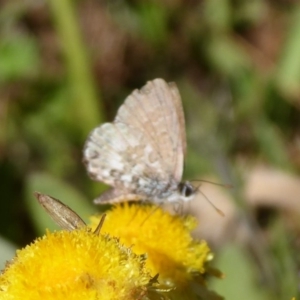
(143, 149)
(156, 110)
(120, 156)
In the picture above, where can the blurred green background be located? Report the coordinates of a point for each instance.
(66, 66)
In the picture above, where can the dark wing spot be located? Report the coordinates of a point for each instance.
(115, 173)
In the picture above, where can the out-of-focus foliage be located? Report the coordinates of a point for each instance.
(66, 66)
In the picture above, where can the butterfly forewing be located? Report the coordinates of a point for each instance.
(156, 110)
(181, 141)
(180, 114)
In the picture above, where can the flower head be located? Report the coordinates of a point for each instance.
(75, 265)
(166, 239)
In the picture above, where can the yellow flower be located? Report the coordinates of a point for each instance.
(166, 239)
(83, 265)
(75, 265)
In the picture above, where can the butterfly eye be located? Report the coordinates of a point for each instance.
(186, 189)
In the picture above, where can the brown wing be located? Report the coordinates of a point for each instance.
(178, 106)
(157, 111)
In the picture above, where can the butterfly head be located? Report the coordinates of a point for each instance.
(186, 191)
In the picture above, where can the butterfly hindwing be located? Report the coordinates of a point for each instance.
(119, 156)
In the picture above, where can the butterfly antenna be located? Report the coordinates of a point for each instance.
(219, 211)
(98, 229)
(225, 185)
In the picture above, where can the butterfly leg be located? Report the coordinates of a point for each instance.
(152, 212)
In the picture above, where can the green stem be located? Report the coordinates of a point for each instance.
(288, 69)
(86, 102)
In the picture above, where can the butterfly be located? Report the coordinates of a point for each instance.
(141, 153)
